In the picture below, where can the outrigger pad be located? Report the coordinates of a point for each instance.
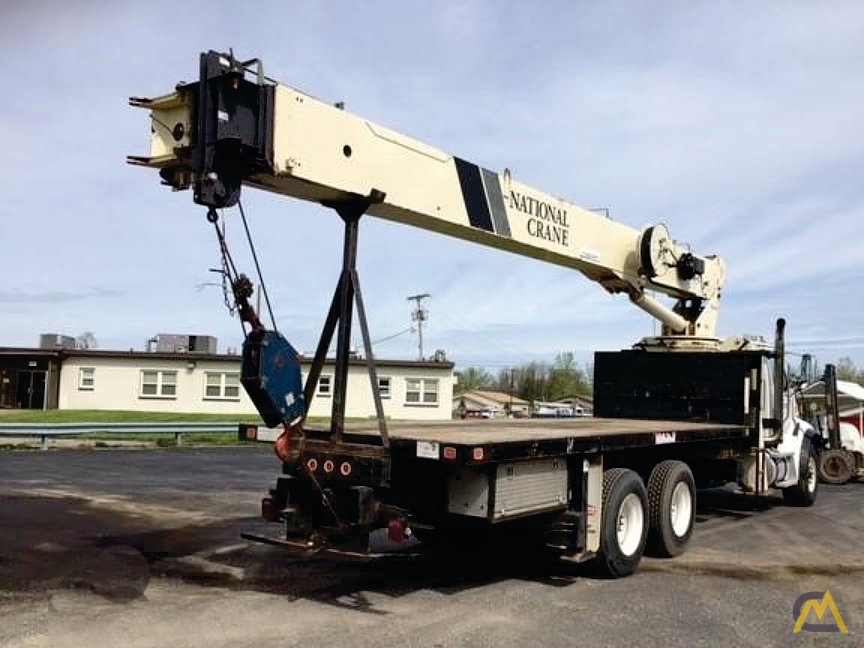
(272, 378)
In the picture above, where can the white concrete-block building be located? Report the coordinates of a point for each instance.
(86, 379)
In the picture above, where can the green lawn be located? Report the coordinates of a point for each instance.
(116, 416)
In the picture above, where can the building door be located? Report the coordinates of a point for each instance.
(31, 389)
(7, 389)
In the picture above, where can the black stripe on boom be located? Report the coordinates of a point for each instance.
(473, 195)
(496, 202)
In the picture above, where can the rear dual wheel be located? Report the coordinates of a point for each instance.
(672, 503)
(624, 523)
(657, 520)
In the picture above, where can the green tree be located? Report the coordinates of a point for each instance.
(529, 381)
(472, 378)
(540, 381)
(533, 381)
(565, 378)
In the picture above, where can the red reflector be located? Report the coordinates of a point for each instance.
(449, 452)
(478, 454)
(312, 465)
(251, 433)
(345, 468)
(396, 530)
(328, 466)
(268, 510)
(282, 447)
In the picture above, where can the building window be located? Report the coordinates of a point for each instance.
(86, 378)
(384, 387)
(421, 391)
(159, 384)
(324, 386)
(219, 384)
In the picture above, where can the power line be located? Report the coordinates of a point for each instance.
(410, 329)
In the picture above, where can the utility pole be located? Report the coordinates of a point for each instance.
(510, 406)
(419, 315)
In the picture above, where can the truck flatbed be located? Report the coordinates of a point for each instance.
(478, 432)
(503, 439)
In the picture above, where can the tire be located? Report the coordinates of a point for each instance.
(624, 525)
(672, 508)
(836, 466)
(804, 492)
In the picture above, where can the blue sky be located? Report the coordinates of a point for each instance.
(741, 125)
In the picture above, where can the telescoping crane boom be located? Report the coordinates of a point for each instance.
(235, 127)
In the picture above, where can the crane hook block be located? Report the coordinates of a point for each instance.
(271, 376)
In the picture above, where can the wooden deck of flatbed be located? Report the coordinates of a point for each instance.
(491, 431)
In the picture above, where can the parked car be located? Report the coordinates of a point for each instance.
(485, 413)
(559, 412)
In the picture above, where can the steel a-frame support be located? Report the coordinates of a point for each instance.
(341, 311)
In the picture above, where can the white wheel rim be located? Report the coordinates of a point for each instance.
(811, 474)
(681, 509)
(631, 521)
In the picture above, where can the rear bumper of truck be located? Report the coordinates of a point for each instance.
(303, 549)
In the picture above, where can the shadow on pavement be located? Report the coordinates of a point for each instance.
(50, 543)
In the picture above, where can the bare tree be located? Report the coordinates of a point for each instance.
(846, 370)
(85, 341)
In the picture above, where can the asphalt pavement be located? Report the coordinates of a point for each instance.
(142, 548)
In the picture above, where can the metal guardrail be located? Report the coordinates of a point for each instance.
(46, 430)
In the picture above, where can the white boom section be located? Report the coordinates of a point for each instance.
(322, 153)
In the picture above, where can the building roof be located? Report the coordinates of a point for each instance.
(491, 397)
(24, 351)
(577, 400)
(849, 394)
(186, 356)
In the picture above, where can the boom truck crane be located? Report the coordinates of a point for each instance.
(675, 412)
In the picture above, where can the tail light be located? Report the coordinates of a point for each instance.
(396, 530)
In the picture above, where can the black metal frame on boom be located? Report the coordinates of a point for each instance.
(347, 293)
(228, 145)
